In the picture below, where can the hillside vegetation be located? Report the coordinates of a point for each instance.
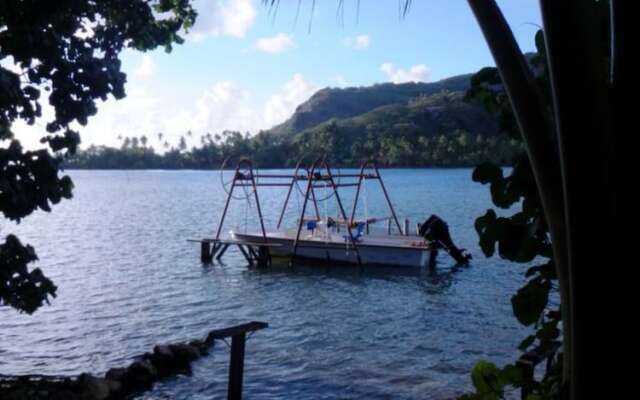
(403, 125)
(331, 103)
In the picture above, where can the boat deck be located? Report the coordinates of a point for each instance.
(336, 238)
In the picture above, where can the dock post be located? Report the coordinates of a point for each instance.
(205, 252)
(236, 367)
(264, 257)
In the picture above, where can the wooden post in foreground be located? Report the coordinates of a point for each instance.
(236, 366)
(238, 336)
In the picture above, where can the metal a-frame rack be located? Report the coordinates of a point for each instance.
(318, 176)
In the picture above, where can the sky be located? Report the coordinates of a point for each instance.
(246, 66)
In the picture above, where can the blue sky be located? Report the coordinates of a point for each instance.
(244, 68)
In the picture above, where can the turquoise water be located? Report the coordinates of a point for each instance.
(128, 279)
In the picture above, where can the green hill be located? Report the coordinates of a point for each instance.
(410, 124)
(331, 103)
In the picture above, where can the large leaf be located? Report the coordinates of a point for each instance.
(486, 228)
(530, 301)
(484, 377)
(486, 173)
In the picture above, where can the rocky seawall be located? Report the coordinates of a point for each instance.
(117, 383)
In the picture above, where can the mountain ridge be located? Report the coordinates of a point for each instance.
(328, 103)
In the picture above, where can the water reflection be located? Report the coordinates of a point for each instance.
(435, 280)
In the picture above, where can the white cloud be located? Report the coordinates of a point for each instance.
(359, 42)
(140, 113)
(146, 68)
(228, 106)
(338, 80)
(275, 44)
(417, 73)
(223, 18)
(223, 106)
(281, 105)
(146, 111)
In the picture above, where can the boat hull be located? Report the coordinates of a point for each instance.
(342, 253)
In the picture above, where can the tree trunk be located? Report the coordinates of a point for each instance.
(580, 84)
(538, 134)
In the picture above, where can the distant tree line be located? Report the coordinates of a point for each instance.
(410, 149)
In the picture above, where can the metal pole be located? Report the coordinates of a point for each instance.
(224, 212)
(236, 367)
(386, 196)
(344, 215)
(255, 192)
(222, 250)
(286, 200)
(304, 207)
(355, 199)
(315, 203)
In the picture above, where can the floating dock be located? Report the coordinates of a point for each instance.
(344, 239)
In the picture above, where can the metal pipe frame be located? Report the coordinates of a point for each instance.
(322, 163)
(246, 163)
(312, 176)
(372, 165)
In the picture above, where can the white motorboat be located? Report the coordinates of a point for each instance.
(334, 246)
(343, 241)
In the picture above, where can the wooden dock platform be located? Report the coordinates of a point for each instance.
(256, 253)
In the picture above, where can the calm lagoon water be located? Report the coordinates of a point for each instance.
(128, 279)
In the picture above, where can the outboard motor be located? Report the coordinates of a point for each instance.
(435, 230)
